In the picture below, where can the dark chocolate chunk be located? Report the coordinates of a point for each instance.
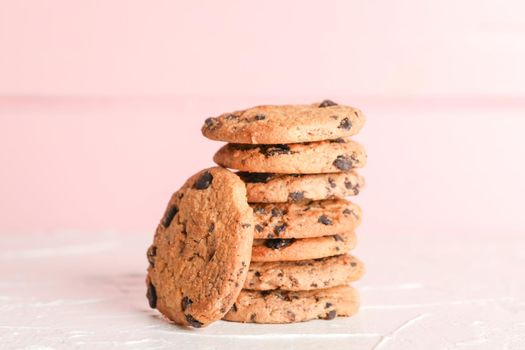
(343, 162)
(260, 117)
(151, 294)
(338, 238)
(278, 229)
(353, 264)
(331, 315)
(348, 185)
(258, 228)
(356, 190)
(327, 305)
(152, 252)
(185, 303)
(265, 292)
(193, 322)
(168, 217)
(347, 211)
(211, 123)
(234, 308)
(314, 285)
(327, 103)
(276, 212)
(204, 181)
(325, 220)
(271, 150)
(257, 274)
(252, 317)
(254, 177)
(345, 124)
(296, 196)
(278, 243)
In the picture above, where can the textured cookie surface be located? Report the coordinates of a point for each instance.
(201, 250)
(291, 249)
(298, 158)
(285, 124)
(276, 188)
(287, 307)
(305, 219)
(305, 274)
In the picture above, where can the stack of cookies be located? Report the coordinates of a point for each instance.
(268, 244)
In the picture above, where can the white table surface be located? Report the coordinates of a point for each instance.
(74, 290)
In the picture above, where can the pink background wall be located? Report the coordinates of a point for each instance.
(101, 103)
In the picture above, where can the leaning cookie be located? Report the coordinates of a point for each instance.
(287, 307)
(285, 124)
(292, 249)
(277, 188)
(304, 274)
(201, 250)
(298, 158)
(305, 219)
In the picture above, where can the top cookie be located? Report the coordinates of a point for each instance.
(285, 124)
(202, 248)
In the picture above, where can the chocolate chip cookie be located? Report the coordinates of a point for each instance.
(305, 274)
(285, 124)
(298, 158)
(305, 219)
(286, 307)
(201, 250)
(291, 249)
(276, 188)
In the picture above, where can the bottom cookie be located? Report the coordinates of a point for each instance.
(287, 307)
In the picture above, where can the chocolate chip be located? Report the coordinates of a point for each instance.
(211, 123)
(259, 210)
(345, 124)
(234, 308)
(327, 103)
(271, 150)
(259, 228)
(314, 285)
(347, 211)
(204, 181)
(338, 238)
(211, 228)
(356, 190)
(185, 303)
(327, 305)
(152, 252)
(348, 185)
(231, 117)
(278, 243)
(265, 292)
(193, 322)
(255, 177)
(325, 220)
(280, 274)
(353, 264)
(296, 196)
(331, 315)
(278, 229)
(276, 212)
(260, 117)
(332, 182)
(257, 274)
(246, 225)
(338, 140)
(151, 294)
(343, 162)
(168, 217)
(252, 317)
